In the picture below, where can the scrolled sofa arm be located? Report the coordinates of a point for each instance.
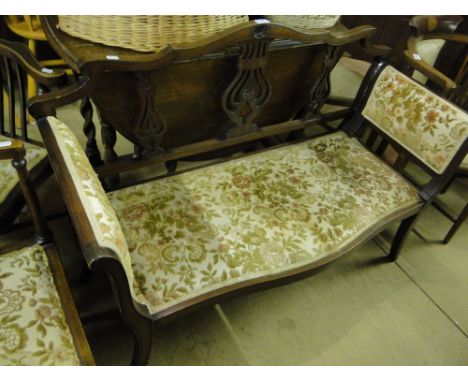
(96, 224)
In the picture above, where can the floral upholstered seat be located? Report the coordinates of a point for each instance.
(193, 233)
(8, 176)
(33, 329)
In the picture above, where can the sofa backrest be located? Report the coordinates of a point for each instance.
(422, 123)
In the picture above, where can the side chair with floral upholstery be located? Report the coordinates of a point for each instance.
(190, 239)
(16, 60)
(39, 324)
(429, 34)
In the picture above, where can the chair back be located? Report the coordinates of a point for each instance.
(17, 61)
(424, 124)
(12, 83)
(423, 128)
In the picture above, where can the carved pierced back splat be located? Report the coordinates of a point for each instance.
(249, 90)
(320, 90)
(151, 127)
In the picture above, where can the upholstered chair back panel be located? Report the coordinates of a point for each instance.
(428, 126)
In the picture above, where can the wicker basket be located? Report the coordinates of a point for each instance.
(306, 21)
(146, 33)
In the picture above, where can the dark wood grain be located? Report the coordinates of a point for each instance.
(190, 86)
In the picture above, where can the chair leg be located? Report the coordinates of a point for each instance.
(85, 274)
(140, 326)
(449, 183)
(402, 234)
(457, 224)
(143, 340)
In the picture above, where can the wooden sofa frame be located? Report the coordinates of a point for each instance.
(135, 314)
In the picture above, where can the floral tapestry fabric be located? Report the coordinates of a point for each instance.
(198, 231)
(102, 217)
(33, 330)
(424, 123)
(8, 175)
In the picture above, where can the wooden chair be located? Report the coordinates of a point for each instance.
(16, 61)
(29, 28)
(421, 57)
(39, 324)
(180, 242)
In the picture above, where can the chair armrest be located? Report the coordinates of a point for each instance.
(12, 150)
(21, 54)
(457, 38)
(45, 105)
(417, 62)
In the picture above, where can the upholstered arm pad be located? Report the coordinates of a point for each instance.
(85, 197)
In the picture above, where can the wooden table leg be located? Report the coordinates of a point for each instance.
(109, 139)
(92, 151)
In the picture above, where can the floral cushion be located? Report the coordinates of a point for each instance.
(195, 232)
(93, 198)
(33, 330)
(427, 125)
(8, 175)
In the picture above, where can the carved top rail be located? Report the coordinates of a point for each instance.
(254, 75)
(84, 56)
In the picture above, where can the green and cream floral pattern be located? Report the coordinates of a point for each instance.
(427, 125)
(198, 231)
(33, 330)
(8, 175)
(102, 217)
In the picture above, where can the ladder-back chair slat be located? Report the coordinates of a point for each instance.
(22, 100)
(11, 96)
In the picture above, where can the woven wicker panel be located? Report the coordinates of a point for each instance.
(306, 21)
(146, 33)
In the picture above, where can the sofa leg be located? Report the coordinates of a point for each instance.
(457, 223)
(402, 234)
(143, 340)
(85, 274)
(140, 326)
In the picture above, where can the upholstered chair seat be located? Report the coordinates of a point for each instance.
(255, 217)
(33, 329)
(8, 177)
